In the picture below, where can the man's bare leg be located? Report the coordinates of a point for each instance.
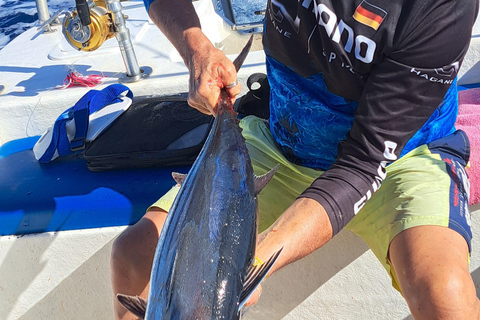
(431, 264)
(132, 258)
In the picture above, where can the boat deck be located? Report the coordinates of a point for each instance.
(50, 274)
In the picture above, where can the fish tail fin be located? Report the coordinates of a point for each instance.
(255, 275)
(243, 54)
(261, 181)
(179, 177)
(135, 305)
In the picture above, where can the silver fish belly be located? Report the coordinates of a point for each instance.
(208, 240)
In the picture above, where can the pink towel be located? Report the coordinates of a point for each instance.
(469, 121)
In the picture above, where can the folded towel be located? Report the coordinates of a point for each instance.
(469, 121)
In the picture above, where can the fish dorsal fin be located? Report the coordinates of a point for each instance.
(243, 54)
(179, 177)
(261, 181)
(135, 305)
(255, 275)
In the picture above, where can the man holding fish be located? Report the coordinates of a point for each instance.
(363, 104)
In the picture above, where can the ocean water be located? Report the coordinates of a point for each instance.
(16, 16)
(246, 11)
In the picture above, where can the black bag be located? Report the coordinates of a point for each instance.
(153, 132)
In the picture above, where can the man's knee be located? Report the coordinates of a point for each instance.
(448, 296)
(431, 266)
(133, 250)
(122, 260)
(122, 248)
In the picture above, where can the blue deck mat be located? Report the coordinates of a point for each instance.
(65, 195)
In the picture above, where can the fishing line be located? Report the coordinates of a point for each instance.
(27, 66)
(73, 79)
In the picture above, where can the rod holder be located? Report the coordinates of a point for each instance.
(122, 34)
(42, 10)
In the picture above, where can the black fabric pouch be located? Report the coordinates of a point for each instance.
(152, 132)
(257, 100)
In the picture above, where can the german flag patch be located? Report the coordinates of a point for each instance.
(369, 15)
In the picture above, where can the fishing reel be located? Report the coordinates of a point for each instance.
(92, 23)
(89, 25)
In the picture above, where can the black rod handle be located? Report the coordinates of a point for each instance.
(83, 12)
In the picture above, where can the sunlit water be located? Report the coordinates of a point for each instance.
(16, 16)
(246, 11)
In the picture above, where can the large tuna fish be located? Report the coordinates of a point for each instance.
(203, 265)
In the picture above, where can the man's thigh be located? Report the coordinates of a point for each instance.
(289, 181)
(426, 187)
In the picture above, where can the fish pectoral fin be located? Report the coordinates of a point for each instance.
(135, 305)
(179, 177)
(255, 275)
(261, 181)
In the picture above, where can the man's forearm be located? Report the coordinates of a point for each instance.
(303, 228)
(180, 23)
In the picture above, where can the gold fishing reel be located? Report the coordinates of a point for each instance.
(85, 36)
